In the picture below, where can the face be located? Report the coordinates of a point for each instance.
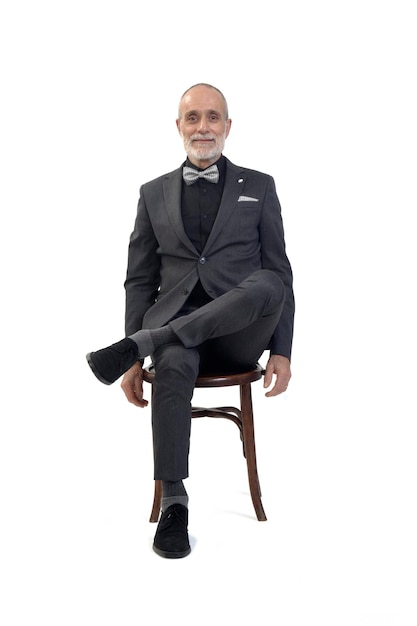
(202, 125)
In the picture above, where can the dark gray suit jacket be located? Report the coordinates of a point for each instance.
(163, 265)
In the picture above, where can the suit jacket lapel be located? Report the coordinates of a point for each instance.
(172, 196)
(233, 188)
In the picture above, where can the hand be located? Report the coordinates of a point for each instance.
(280, 366)
(132, 385)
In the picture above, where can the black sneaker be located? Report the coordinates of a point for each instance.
(171, 538)
(110, 363)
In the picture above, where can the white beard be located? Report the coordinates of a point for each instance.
(204, 153)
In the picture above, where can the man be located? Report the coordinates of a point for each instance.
(208, 286)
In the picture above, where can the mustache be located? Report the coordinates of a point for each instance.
(202, 137)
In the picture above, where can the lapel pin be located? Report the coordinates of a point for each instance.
(240, 180)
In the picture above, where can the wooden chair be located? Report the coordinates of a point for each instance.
(242, 417)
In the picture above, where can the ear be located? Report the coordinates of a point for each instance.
(228, 126)
(178, 125)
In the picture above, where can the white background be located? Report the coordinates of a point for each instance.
(322, 97)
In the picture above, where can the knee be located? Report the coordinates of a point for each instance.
(269, 287)
(270, 278)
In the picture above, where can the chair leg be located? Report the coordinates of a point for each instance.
(250, 451)
(156, 507)
(248, 435)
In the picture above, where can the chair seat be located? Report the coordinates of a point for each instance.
(242, 416)
(216, 379)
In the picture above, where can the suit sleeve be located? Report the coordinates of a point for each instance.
(142, 276)
(274, 257)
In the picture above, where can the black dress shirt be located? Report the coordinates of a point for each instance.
(199, 205)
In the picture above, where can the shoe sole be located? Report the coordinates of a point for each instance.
(171, 555)
(95, 372)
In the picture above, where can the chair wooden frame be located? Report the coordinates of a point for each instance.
(242, 417)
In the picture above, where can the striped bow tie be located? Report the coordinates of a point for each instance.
(190, 175)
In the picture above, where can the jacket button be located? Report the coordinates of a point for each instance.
(202, 260)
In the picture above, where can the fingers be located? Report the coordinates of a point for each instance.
(278, 388)
(133, 397)
(279, 367)
(138, 393)
(267, 378)
(132, 387)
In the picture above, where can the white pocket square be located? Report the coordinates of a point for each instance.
(247, 199)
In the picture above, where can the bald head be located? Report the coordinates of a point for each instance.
(207, 86)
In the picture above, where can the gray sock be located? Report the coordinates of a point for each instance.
(148, 340)
(173, 493)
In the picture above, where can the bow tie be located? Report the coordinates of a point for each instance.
(190, 175)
